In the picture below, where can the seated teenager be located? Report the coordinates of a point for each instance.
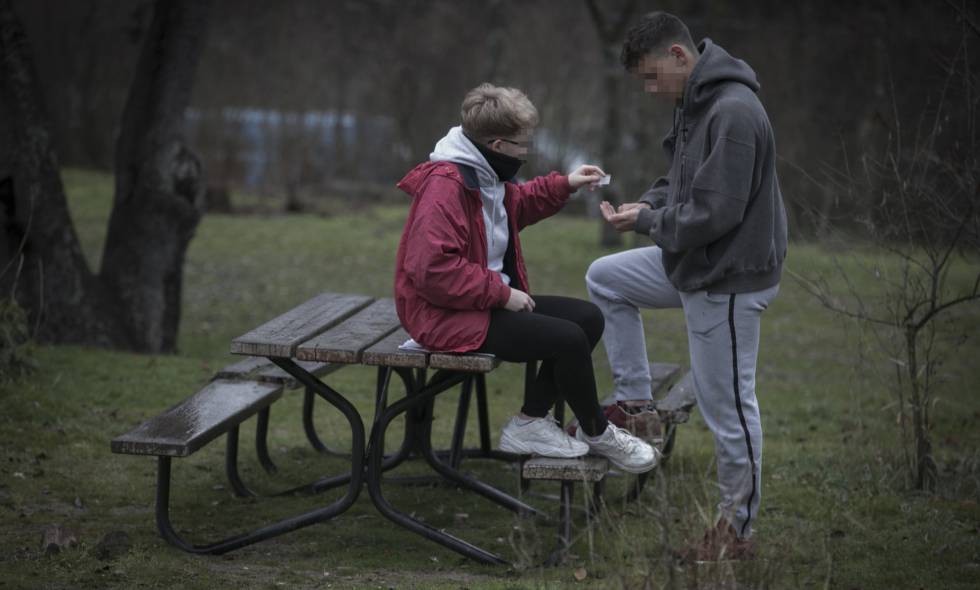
(461, 284)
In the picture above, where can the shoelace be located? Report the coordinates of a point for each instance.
(555, 426)
(623, 439)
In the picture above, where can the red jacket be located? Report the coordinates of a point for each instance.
(443, 289)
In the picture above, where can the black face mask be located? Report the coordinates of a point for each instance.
(505, 166)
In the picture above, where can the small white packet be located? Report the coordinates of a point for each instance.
(605, 180)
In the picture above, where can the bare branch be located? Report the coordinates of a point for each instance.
(827, 301)
(962, 14)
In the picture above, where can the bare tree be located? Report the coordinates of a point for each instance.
(135, 300)
(54, 280)
(926, 186)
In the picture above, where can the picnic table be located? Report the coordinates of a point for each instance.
(303, 345)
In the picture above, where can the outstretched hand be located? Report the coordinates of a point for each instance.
(586, 174)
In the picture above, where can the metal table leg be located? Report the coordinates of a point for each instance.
(459, 428)
(560, 554)
(340, 505)
(389, 461)
(309, 399)
(418, 396)
(261, 445)
(231, 466)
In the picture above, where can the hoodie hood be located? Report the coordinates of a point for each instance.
(457, 148)
(715, 67)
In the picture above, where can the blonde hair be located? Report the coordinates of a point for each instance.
(490, 112)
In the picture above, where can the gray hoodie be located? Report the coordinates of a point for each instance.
(456, 147)
(718, 214)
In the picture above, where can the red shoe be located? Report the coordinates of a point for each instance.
(720, 543)
(642, 422)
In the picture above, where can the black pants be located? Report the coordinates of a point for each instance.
(561, 332)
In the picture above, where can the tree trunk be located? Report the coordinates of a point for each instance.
(610, 36)
(39, 249)
(925, 464)
(612, 135)
(159, 195)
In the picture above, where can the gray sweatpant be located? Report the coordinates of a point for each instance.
(723, 338)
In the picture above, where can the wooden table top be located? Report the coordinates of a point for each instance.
(348, 329)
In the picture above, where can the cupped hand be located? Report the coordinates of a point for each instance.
(623, 220)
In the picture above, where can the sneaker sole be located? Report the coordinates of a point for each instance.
(634, 470)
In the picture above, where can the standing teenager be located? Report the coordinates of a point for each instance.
(719, 228)
(461, 284)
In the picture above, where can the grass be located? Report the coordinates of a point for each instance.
(836, 511)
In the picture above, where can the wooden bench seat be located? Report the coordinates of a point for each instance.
(186, 427)
(470, 363)
(586, 469)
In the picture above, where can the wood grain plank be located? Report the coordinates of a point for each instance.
(345, 342)
(387, 354)
(280, 336)
(199, 419)
(586, 468)
(471, 363)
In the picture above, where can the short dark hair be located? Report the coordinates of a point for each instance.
(656, 30)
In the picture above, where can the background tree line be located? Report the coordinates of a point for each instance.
(309, 98)
(395, 72)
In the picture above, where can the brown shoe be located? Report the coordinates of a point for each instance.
(720, 543)
(642, 422)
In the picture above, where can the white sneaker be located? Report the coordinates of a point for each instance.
(625, 451)
(540, 436)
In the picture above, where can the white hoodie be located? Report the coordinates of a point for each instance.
(456, 147)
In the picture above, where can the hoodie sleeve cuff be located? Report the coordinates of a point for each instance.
(644, 221)
(648, 200)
